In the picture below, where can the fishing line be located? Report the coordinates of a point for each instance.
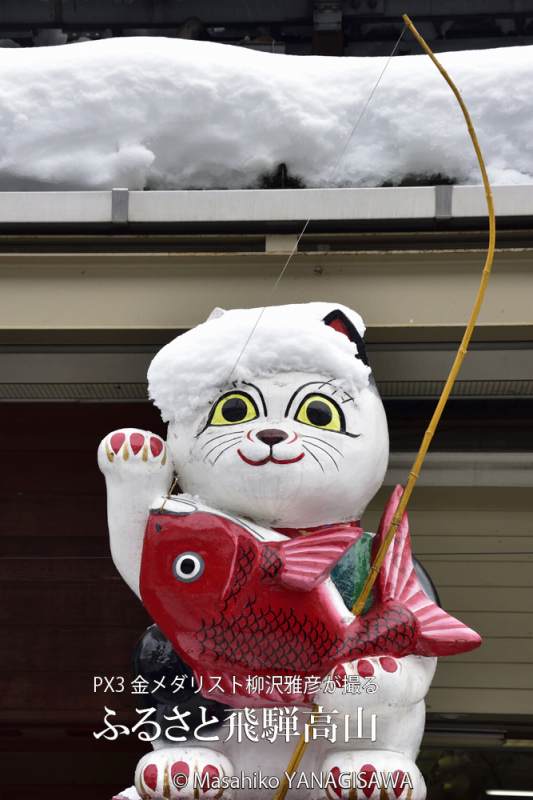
(333, 172)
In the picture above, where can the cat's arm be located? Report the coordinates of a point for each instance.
(137, 469)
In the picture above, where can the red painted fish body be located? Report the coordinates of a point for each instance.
(238, 601)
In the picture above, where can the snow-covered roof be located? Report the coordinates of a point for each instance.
(158, 113)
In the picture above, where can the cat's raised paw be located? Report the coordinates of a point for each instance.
(134, 451)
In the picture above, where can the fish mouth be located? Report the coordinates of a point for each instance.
(270, 458)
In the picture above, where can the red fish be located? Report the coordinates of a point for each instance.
(237, 601)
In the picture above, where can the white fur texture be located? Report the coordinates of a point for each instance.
(243, 344)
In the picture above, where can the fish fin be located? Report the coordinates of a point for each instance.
(244, 558)
(308, 560)
(439, 634)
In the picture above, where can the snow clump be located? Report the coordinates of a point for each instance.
(163, 113)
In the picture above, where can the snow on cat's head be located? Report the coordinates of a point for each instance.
(273, 413)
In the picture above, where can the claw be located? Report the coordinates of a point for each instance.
(166, 783)
(109, 453)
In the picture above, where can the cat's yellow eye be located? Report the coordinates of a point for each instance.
(320, 412)
(233, 409)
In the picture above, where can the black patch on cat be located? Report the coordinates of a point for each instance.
(339, 321)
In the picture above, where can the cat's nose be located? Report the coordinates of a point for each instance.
(272, 436)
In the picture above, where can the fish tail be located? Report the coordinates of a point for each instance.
(438, 633)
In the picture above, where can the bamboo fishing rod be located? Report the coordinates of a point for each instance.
(414, 473)
(463, 347)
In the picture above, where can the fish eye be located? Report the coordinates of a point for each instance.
(232, 409)
(188, 567)
(321, 412)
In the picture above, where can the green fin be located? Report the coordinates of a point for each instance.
(351, 571)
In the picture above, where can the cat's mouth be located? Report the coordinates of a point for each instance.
(270, 458)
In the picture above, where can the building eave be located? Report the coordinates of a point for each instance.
(335, 207)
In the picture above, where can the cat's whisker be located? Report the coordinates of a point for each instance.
(217, 446)
(306, 437)
(220, 436)
(221, 444)
(222, 452)
(323, 449)
(318, 442)
(313, 456)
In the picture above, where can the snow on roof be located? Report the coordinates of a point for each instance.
(169, 113)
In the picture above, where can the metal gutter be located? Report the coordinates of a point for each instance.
(119, 207)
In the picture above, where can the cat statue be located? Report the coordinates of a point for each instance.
(278, 440)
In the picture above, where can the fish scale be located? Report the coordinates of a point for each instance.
(392, 630)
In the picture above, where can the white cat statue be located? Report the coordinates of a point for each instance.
(278, 440)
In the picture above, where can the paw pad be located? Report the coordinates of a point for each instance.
(150, 776)
(209, 773)
(179, 774)
(136, 442)
(156, 445)
(367, 773)
(339, 676)
(335, 776)
(116, 442)
(365, 668)
(398, 778)
(388, 664)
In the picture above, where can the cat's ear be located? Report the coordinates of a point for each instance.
(339, 322)
(216, 313)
